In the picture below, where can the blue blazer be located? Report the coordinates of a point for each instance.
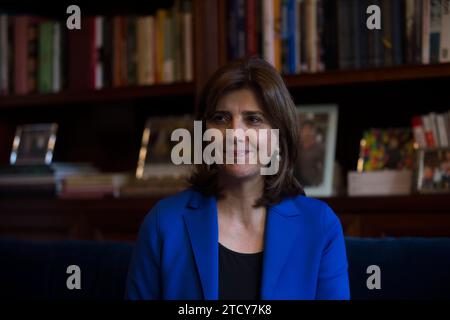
(176, 254)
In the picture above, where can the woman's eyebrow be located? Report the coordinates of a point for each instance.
(251, 113)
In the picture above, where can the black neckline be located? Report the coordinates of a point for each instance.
(253, 254)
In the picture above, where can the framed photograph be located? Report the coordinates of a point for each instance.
(156, 146)
(34, 144)
(318, 130)
(433, 170)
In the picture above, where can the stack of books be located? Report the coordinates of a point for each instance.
(432, 130)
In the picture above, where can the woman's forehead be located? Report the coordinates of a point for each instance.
(239, 101)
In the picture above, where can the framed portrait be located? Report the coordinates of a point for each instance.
(318, 131)
(433, 174)
(156, 146)
(34, 144)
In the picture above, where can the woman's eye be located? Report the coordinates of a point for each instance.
(218, 118)
(254, 119)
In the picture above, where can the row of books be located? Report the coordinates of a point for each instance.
(432, 130)
(42, 55)
(315, 35)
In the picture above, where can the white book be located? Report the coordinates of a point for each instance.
(434, 130)
(56, 68)
(99, 22)
(268, 31)
(445, 32)
(442, 130)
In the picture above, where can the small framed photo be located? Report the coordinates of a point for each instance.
(433, 170)
(156, 147)
(318, 131)
(34, 144)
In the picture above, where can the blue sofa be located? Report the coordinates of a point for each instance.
(411, 268)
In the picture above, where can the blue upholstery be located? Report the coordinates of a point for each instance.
(410, 268)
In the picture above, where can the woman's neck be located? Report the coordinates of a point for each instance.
(239, 196)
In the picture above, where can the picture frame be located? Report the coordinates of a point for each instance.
(433, 170)
(318, 132)
(34, 144)
(154, 154)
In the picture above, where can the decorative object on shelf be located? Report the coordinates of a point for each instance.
(385, 164)
(380, 183)
(391, 148)
(433, 175)
(34, 144)
(318, 125)
(155, 172)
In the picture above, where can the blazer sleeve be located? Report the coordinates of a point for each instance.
(333, 283)
(143, 279)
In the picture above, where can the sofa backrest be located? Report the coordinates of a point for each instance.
(411, 268)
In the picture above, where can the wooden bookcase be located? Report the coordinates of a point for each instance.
(104, 127)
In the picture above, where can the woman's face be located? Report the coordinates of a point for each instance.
(240, 109)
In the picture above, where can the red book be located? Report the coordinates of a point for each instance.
(21, 54)
(252, 44)
(82, 56)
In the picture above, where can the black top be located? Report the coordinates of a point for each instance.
(239, 274)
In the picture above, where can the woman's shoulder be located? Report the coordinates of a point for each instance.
(315, 210)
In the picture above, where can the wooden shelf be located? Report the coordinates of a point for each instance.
(384, 74)
(102, 95)
(119, 219)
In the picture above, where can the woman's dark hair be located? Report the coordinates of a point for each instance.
(259, 76)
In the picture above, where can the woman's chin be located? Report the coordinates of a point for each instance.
(241, 171)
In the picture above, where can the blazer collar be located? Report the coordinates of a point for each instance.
(202, 225)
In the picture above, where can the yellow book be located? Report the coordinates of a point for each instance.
(277, 34)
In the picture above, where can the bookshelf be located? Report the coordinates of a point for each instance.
(367, 97)
(128, 93)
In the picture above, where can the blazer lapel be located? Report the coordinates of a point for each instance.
(203, 230)
(202, 225)
(280, 234)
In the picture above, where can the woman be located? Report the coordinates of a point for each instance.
(238, 234)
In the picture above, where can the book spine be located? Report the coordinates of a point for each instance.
(426, 32)
(168, 50)
(252, 46)
(445, 32)
(435, 30)
(188, 40)
(241, 27)
(277, 34)
(293, 45)
(284, 37)
(268, 31)
(442, 131)
(311, 35)
(131, 51)
(56, 58)
(45, 57)
(20, 52)
(4, 65)
(410, 25)
(99, 47)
